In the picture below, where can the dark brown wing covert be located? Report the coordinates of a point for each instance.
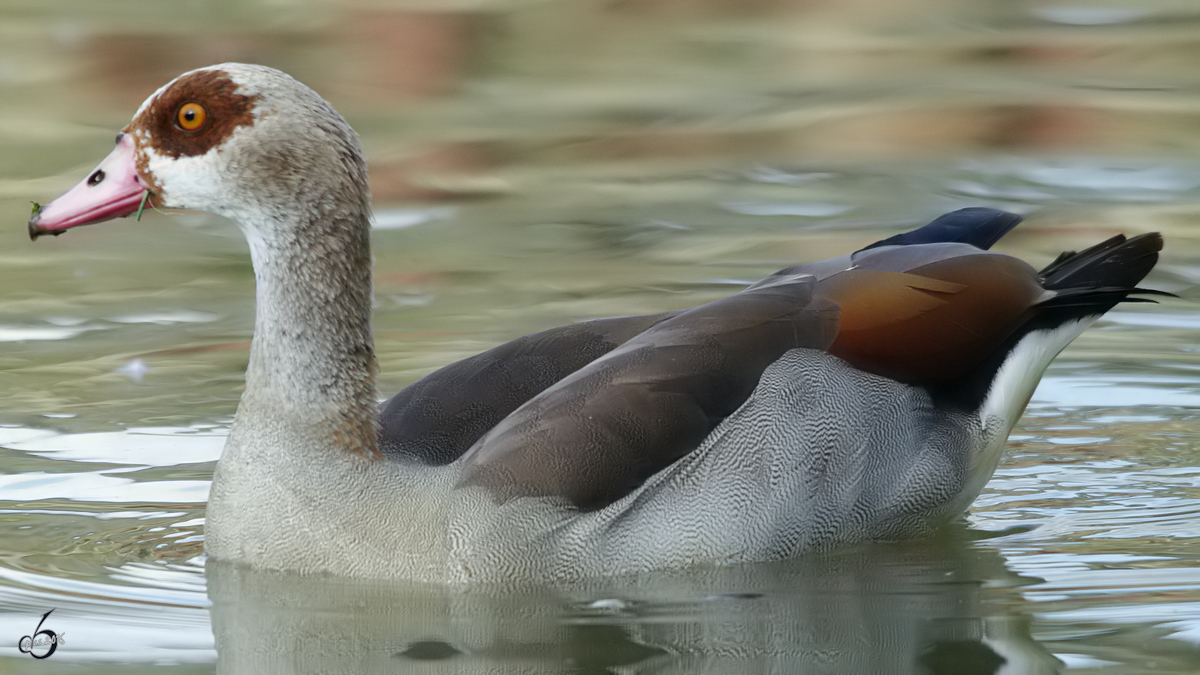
(436, 419)
(598, 434)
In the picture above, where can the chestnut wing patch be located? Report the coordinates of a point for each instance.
(934, 322)
(598, 434)
(436, 419)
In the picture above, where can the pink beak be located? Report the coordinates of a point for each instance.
(113, 190)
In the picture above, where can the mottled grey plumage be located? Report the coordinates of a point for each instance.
(821, 454)
(864, 397)
(602, 431)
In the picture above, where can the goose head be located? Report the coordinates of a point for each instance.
(245, 142)
(253, 145)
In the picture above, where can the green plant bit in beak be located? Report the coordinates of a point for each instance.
(37, 208)
(141, 206)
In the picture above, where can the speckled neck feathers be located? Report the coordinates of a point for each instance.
(313, 354)
(309, 233)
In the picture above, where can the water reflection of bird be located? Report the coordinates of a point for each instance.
(946, 605)
(864, 397)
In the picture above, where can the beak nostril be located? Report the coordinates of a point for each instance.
(96, 178)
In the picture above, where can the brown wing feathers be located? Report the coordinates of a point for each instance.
(435, 420)
(589, 412)
(601, 432)
(438, 418)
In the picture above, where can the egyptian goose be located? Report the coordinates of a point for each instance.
(860, 398)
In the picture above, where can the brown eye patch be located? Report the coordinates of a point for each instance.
(198, 112)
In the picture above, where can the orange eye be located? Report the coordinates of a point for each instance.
(191, 116)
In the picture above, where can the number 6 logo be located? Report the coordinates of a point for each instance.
(27, 643)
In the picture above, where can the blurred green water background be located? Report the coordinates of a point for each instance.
(540, 162)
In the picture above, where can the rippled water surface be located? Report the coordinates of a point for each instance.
(541, 163)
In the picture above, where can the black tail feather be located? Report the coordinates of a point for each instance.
(1091, 297)
(1099, 277)
(1075, 257)
(1117, 263)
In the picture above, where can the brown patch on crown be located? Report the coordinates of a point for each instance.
(226, 111)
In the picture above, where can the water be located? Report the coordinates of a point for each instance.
(540, 163)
